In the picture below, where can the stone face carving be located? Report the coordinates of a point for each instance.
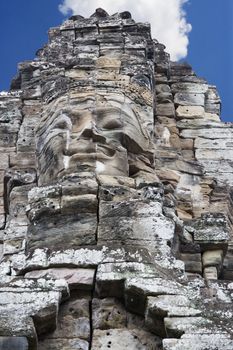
(97, 129)
(115, 197)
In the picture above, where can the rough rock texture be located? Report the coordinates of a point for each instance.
(115, 197)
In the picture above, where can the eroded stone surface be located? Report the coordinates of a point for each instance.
(13, 343)
(115, 197)
(124, 339)
(76, 278)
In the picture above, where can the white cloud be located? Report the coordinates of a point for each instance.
(167, 18)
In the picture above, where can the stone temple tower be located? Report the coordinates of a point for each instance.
(116, 195)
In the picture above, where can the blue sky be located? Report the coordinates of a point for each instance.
(24, 25)
(211, 46)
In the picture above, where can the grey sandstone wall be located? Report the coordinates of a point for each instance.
(115, 197)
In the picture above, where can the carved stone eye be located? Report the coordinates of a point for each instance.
(112, 124)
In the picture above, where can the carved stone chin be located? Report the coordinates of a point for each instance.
(115, 197)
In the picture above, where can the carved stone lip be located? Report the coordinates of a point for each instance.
(92, 156)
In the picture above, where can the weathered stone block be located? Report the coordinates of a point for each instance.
(108, 313)
(210, 273)
(212, 258)
(143, 179)
(13, 343)
(4, 161)
(115, 181)
(86, 203)
(73, 321)
(135, 231)
(123, 339)
(216, 154)
(63, 232)
(205, 144)
(177, 326)
(79, 184)
(1, 194)
(76, 278)
(192, 262)
(189, 88)
(136, 290)
(171, 306)
(162, 88)
(186, 112)
(199, 341)
(64, 344)
(189, 99)
(23, 160)
(211, 231)
(165, 109)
